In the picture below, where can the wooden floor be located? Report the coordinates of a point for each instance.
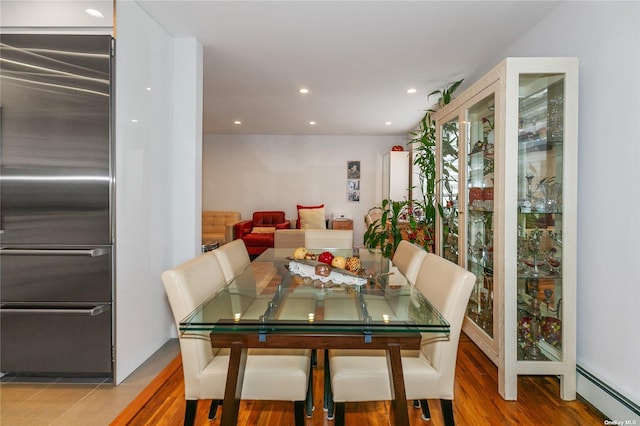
(477, 402)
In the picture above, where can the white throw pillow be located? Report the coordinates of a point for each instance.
(312, 218)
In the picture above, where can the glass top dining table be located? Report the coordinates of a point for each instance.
(268, 306)
(267, 298)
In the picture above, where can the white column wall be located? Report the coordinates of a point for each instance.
(158, 83)
(186, 182)
(143, 174)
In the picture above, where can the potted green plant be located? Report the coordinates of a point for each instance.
(385, 232)
(419, 215)
(423, 143)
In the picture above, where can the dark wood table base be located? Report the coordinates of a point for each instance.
(240, 342)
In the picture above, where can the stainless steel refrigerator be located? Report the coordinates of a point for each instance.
(56, 205)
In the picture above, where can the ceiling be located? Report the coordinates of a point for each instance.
(357, 58)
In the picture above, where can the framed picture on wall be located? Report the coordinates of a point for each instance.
(353, 170)
(353, 181)
(353, 184)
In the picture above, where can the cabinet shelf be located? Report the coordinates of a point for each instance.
(515, 129)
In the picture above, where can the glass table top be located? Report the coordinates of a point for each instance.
(266, 297)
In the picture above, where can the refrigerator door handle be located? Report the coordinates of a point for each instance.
(94, 252)
(90, 311)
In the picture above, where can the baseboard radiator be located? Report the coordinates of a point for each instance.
(605, 398)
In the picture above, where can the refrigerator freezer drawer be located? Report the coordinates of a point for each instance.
(48, 275)
(62, 343)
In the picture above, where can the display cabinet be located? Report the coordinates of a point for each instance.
(507, 150)
(395, 175)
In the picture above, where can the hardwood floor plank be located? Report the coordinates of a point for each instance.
(477, 402)
(159, 382)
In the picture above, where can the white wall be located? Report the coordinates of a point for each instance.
(605, 36)
(247, 173)
(143, 159)
(186, 176)
(158, 162)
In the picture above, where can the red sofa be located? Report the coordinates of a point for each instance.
(258, 233)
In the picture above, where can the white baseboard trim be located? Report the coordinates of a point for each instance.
(618, 408)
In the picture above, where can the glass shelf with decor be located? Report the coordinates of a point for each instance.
(480, 148)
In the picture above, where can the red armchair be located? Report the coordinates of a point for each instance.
(258, 233)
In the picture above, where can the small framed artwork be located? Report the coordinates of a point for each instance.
(353, 181)
(353, 170)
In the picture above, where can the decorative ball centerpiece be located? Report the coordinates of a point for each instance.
(353, 264)
(325, 257)
(339, 262)
(323, 270)
(300, 253)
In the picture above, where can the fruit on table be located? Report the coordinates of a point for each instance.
(325, 257)
(299, 253)
(339, 262)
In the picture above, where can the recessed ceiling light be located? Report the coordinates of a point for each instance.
(134, 120)
(387, 123)
(94, 13)
(304, 91)
(148, 89)
(312, 123)
(237, 122)
(411, 90)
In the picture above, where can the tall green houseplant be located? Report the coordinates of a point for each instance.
(419, 215)
(423, 143)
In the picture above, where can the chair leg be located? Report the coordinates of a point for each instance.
(309, 400)
(447, 411)
(327, 384)
(426, 414)
(314, 357)
(416, 403)
(298, 408)
(190, 412)
(339, 416)
(213, 411)
(329, 402)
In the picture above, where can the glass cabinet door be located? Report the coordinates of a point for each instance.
(539, 233)
(480, 121)
(449, 163)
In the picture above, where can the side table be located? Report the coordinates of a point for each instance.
(342, 224)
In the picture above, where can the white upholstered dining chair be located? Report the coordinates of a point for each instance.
(428, 373)
(233, 258)
(328, 238)
(270, 374)
(408, 258)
